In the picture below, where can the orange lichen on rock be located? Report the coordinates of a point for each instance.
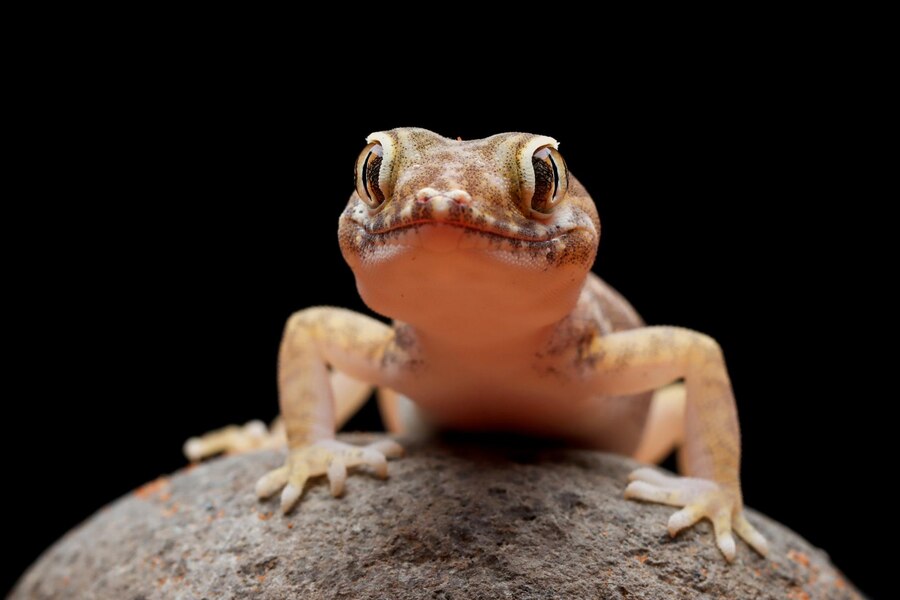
(148, 490)
(264, 516)
(799, 558)
(798, 594)
(641, 558)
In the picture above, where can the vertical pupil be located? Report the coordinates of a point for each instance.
(545, 179)
(555, 175)
(373, 170)
(365, 174)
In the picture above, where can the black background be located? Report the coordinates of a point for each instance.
(201, 205)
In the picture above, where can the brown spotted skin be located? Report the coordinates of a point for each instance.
(480, 251)
(489, 171)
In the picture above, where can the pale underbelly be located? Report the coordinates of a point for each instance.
(610, 423)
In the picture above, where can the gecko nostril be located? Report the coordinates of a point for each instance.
(426, 194)
(460, 197)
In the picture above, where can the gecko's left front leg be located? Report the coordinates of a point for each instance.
(638, 360)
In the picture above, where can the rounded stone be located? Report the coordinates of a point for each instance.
(458, 518)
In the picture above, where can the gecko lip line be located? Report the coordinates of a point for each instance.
(471, 227)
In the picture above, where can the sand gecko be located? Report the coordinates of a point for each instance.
(481, 250)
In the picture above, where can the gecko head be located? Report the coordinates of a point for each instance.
(497, 224)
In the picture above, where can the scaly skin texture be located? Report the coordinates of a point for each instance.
(480, 251)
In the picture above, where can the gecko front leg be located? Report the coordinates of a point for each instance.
(638, 360)
(315, 339)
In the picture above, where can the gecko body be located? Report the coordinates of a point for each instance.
(480, 251)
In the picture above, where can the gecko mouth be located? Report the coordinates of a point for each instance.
(520, 247)
(508, 235)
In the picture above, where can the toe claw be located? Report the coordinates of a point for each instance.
(643, 474)
(721, 520)
(194, 449)
(289, 497)
(388, 448)
(271, 482)
(725, 542)
(630, 492)
(255, 429)
(378, 462)
(337, 476)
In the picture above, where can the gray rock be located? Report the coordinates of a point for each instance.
(457, 519)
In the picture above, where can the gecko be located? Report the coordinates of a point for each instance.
(480, 252)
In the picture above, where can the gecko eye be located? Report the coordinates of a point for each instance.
(551, 180)
(368, 171)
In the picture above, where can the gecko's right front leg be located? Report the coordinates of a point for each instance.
(315, 339)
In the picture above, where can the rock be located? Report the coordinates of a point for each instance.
(457, 519)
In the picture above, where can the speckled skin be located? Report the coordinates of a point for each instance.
(498, 325)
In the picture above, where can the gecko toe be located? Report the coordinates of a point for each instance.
(725, 542)
(685, 517)
(337, 477)
(271, 482)
(641, 490)
(749, 534)
(289, 497)
(388, 448)
(329, 457)
(698, 499)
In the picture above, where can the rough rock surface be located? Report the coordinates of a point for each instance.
(456, 519)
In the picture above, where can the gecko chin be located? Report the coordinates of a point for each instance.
(454, 268)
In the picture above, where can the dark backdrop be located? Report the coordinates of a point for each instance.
(198, 209)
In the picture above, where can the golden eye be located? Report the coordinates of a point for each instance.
(551, 180)
(368, 171)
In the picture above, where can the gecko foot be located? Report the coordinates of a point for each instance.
(700, 498)
(324, 457)
(235, 438)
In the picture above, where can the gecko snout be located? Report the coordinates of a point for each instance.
(456, 196)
